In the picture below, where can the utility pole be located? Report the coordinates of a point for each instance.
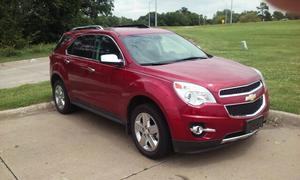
(231, 12)
(226, 16)
(155, 13)
(199, 19)
(149, 17)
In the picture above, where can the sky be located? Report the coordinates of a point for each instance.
(136, 8)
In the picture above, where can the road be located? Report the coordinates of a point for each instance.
(85, 146)
(17, 73)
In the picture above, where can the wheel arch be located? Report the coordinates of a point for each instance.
(54, 78)
(143, 99)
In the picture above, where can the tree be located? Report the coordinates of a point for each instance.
(184, 10)
(181, 17)
(10, 30)
(225, 15)
(263, 12)
(277, 15)
(45, 21)
(249, 16)
(94, 8)
(268, 16)
(218, 17)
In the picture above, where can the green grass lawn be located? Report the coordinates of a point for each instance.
(34, 51)
(25, 95)
(274, 48)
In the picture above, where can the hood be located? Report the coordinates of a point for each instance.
(213, 74)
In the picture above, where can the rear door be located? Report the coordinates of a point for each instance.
(80, 55)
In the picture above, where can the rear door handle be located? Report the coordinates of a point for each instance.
(67, 61)
(91, 69)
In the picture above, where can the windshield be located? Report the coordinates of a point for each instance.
(157, 49)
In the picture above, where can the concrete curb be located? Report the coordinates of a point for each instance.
(26, 110)
(276, 118)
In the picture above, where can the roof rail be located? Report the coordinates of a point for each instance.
(87, 27)
(132, 25)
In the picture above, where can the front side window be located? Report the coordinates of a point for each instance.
(156, 49)
(105, 45)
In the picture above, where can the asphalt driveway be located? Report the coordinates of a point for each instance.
(17, 73)
(85, 146)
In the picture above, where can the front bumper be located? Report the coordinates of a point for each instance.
(212, 116)
(196, 147)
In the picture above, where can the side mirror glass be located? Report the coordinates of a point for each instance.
(111, 59)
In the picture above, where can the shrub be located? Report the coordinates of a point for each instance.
(9, 52)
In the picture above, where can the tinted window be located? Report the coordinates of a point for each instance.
(83, 46)
(105, 45)
(62, 41)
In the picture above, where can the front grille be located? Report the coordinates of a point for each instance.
(245, 109)
(240, 90)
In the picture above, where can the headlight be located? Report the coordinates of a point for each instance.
(193, 94)
(261, 76)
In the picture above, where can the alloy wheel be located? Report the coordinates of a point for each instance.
(60, 97)
(146, 132)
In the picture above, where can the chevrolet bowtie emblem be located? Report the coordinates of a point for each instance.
(251, 97)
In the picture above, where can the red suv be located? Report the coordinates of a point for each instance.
(167, 92)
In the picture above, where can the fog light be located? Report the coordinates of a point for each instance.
(199, 130)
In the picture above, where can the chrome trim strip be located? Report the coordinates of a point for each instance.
(209, 130)
(237, 138)
(85, 27)
(241, 94)
(248, 115)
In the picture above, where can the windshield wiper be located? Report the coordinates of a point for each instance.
(190, 58)
(171, 62)
(155, 64)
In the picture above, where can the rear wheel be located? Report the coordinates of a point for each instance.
(150, 132)
(61, 98)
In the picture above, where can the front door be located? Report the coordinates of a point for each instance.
(105, 92)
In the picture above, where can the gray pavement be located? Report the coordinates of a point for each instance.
(17, 73)
(85, 146)
(5, 172)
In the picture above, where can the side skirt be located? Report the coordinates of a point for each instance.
(102, 113)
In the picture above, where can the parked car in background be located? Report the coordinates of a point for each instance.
(168, 93)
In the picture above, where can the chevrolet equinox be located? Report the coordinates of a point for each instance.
(168, 93)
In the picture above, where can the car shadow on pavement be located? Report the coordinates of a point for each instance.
(228, 152)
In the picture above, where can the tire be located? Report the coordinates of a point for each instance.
(151, 142)
(61, 98)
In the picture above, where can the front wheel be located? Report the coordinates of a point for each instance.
(150, 132)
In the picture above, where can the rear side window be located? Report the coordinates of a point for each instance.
(83, 46)
(62, 41)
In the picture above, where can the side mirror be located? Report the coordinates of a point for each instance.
(111, 59)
